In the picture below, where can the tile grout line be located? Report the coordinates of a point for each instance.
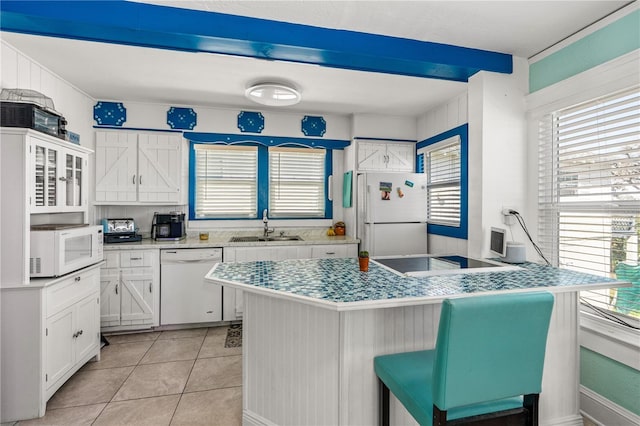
(123, 382)
(188, 377)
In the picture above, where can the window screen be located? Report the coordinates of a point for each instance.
(225, 181)
(589, 194)
(297, 182)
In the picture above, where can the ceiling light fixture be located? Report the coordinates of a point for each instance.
(273, 94)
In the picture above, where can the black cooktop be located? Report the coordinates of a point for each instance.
(411, 265)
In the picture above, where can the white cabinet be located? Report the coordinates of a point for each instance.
(386, 156)
(232, 302)
(129, 289)
(58, 175)
(139, 168)
(49, 330)
(72, 331)
(72, 335)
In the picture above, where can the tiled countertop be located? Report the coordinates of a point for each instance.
(221, 239)
(338, 284)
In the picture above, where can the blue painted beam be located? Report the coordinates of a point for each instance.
(146, 25)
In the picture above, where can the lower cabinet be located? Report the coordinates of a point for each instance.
(50, 329)
(130, 289)
(71, 335)
(232, 304)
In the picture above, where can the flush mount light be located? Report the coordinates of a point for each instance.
(273, 94)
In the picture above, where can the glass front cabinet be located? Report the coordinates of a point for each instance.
(59, 176)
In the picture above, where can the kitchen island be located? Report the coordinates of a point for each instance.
(312, 327)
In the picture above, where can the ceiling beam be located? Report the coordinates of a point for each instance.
(146, 25)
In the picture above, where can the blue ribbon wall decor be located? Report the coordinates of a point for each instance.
(313, 126)
(182, 118)
(109, 113)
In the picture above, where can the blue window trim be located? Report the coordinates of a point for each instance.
(232, 139)
(147, 25)
(263, 170)
(461, 231)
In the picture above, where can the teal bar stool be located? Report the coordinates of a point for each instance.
(486, 368)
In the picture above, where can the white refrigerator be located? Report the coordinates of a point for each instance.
(392, 213)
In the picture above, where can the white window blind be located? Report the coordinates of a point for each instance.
(589, 194)
(443, 183)
(226, 181)
(296, 182)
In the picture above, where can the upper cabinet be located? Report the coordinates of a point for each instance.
(139, 168)
(386, 156)
(58, 176)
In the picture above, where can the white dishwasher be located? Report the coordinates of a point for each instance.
(185, 298)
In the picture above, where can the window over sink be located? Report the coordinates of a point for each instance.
(239, 181)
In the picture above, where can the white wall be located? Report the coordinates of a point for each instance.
(225, 120)
(436, 121)
(383, 127)
(497, 153)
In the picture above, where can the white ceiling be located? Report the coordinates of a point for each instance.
(125, 73)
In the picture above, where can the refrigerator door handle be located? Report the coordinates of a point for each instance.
(367, 203)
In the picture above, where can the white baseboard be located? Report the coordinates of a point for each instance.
(565, 421)
(249, 418)
(604, 412)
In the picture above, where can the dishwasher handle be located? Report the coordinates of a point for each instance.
(175, 262)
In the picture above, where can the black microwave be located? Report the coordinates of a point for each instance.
(32, 116)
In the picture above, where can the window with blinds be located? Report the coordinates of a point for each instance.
(589, 195)
(226, 181)
(297, 182)
(443, 168)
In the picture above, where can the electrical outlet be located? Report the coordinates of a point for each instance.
(507, 217)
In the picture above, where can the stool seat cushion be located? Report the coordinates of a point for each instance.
(408, 376)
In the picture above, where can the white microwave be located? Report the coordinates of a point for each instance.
(60, 249)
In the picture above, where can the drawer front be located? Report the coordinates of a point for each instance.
(138, 258)
(324, 251)
(72, 289)
(111, 259)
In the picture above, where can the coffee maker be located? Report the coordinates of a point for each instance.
(168, 226)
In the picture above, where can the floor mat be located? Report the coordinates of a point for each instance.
(234, 336)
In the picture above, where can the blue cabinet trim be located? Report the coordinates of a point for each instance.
(147, 25)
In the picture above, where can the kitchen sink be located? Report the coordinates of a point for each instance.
(282, 238)
(252, 239)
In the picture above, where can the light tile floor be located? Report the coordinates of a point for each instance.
(178, 377)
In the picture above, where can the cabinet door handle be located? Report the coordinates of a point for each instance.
(135, 258)
(209, 312)
(116, 288)
(80, 332)
(62, 178)
(140, 179)
(133, 181)
(330, 252)
(150, 286)
(75, 335)
(78, 278)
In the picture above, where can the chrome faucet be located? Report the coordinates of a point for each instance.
(265, 220)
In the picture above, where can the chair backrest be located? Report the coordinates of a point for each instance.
(628, 298)
(490, 347)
